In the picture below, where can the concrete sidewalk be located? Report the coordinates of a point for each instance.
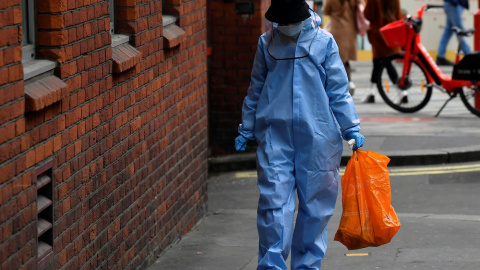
(227, 237)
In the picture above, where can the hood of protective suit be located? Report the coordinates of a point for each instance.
(282, 40)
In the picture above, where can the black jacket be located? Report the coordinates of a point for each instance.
(463, 3)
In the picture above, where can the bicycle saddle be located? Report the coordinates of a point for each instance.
(461, 32)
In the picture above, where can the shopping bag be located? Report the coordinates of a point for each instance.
(362, 22)
(368, 218)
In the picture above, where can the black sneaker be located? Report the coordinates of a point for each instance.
(443, 62)
(370, 98)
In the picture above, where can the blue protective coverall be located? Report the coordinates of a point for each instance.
(298, 111)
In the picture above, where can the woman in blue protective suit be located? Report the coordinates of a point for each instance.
(297, 108)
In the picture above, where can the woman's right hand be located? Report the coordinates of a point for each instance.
(240, 143)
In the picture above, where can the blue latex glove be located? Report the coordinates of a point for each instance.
(359, 139)
(240, 143)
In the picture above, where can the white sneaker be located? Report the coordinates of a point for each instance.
(369, 98)
(401, 97)
(351, 88)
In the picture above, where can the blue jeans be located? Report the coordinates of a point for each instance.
(454, 19)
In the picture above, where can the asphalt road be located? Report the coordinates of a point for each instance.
(438, 206)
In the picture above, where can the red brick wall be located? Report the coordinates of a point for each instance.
(128, 150)
(233, 38)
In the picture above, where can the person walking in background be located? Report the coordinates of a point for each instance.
(298, 109)
(453, 10)
(379, 13)
(344, 31)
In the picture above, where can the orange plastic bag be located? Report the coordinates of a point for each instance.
(368, 219)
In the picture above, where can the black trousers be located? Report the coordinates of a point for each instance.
(377, 65)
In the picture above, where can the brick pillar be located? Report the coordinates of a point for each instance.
(233, 39)
(17, 208)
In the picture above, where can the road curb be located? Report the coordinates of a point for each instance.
(246, 161)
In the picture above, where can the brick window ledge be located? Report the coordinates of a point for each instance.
(173, 36)
(125, 57)
(44, 92)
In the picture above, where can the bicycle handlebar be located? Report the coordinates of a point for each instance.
(429, 6)
(426, 7)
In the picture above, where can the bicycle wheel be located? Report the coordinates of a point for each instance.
(471, 98)
(410, 98)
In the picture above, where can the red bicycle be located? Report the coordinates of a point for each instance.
(406, 80)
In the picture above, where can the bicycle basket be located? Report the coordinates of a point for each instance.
(395, 33)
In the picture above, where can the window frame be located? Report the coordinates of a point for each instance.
(29, 30)
(33, 68)
(117, 39)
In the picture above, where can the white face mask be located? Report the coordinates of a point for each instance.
(291, 29)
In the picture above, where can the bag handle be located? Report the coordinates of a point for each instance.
(351, 143)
